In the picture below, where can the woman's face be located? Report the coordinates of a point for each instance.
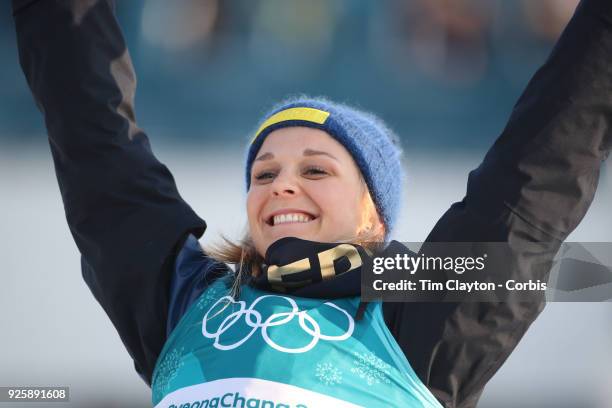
(304, 184)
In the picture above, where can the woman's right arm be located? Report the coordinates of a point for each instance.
(122, 206)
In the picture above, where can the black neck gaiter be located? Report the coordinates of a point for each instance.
(312, 269)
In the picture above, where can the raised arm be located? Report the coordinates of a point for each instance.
(534, 185)
(122, 205)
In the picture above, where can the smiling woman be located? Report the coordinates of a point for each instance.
(304, 183)
(321, 178)
(318, 174)
(304, 172)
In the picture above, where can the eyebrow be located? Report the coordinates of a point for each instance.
(310, 152)
(307, 152)
(265, 156)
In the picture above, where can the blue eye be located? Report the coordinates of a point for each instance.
(264, 175)
(315, 171)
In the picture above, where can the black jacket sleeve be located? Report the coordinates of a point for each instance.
(534, 186)
(121, 203)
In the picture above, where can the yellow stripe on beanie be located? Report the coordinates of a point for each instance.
(305, 114)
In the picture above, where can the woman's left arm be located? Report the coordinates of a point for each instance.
(534, 185)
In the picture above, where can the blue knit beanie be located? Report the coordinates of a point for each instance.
(373, 146)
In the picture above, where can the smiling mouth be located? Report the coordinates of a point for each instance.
(290, 218)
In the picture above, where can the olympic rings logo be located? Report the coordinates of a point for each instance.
(255, 321)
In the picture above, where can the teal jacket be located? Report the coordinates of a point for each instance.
(283, 350)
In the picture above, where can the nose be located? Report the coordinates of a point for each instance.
(284, 186)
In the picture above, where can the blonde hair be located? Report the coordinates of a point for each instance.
(244, 256)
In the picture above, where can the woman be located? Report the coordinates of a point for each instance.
(324, 173)
(138, 238)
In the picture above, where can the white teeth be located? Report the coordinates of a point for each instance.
(293, 217)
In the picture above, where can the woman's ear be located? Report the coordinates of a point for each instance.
(371, 224)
